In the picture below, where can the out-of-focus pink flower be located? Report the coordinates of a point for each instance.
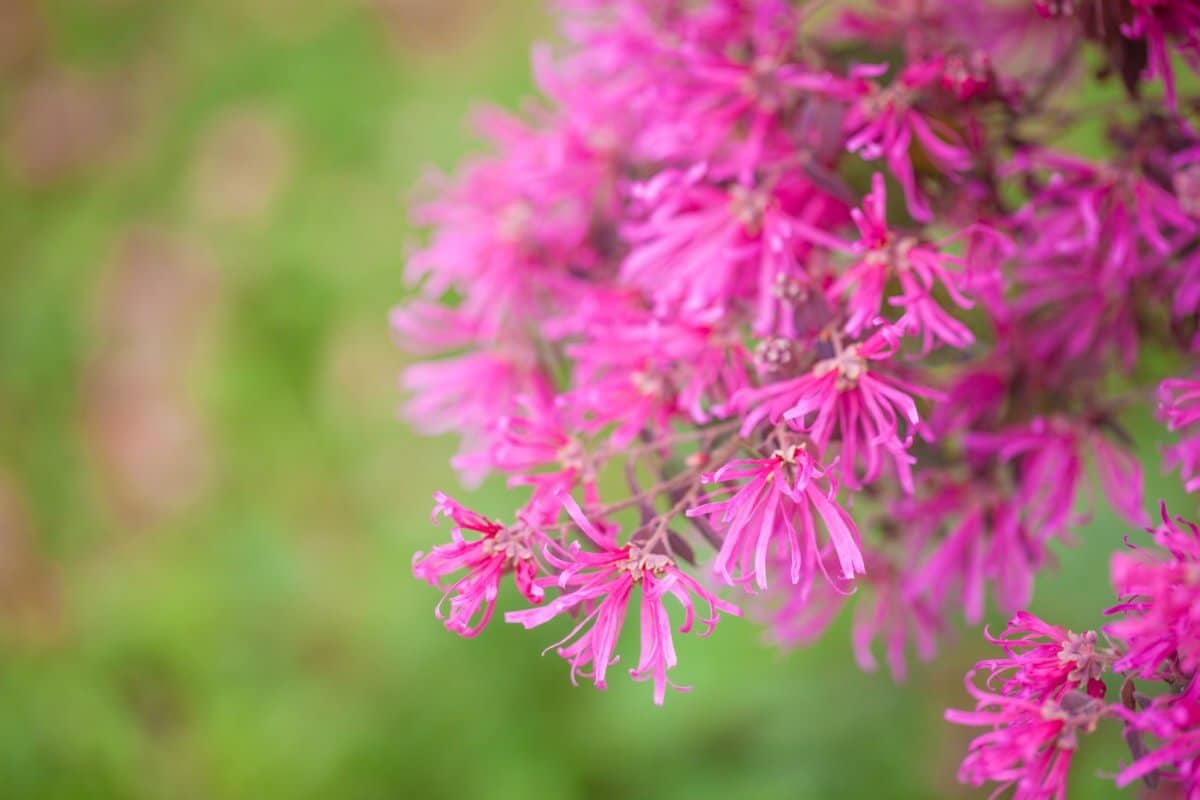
(1179, 407)
(886, 122)
(1174, 720)
(1049, 458)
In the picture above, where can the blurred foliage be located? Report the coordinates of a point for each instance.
(207, 506)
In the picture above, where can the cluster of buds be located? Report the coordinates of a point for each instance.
(793, 306)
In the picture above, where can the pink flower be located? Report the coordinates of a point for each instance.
(769, 512)
(1039, 711)
(635, 371)
(1179, 407)
(486, 560)
(1157, 21)
(893, 610)
(886, 123)
(976, 536)
(705, 243)
(465, 394)
(918, 267)
(1174, 720)
(1160, 624)
(1031, 743)
(1049, 455)
(1044, 661)
(873, 414)
(603, 583)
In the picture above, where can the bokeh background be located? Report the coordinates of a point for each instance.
(208, 506)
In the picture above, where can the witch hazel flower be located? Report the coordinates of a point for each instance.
(602, 584)
(770, 512)
(500, 550)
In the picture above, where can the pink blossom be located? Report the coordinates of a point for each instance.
(486, 560)
(1044, 661)
(919, 268)
(1179, 407)
(886, 123)
(1030, 744)
(603, 583)
(705, 243)
(1160, 624)
(464, 394)
(1049, 456)
(971, 536)
(1159, 21)
(1037, 712)
(873, 414)
(893, 611)
(770, 510)
(1174, 720)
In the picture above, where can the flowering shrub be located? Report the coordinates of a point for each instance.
(824, 292)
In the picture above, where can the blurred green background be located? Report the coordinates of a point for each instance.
(208, 506)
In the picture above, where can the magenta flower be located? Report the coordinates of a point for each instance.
(1179, 407)
(1039, 710)
(873, 414)
(768, 513)
(675, 266)
(500, 551)
(919, 269)
(705, 242)
(1049, 455)
(602, 584)
(1031, 743)
(972, 536)
(1174, 720)
(1158, 22)
(1094, 234)
(463, 394)
(893, 611)
(636, 372)
(887, 122)
(1160, 622)
(536, 449)
(1044, 661)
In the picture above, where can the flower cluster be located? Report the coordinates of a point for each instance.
(806, 305)
(1049, 687)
